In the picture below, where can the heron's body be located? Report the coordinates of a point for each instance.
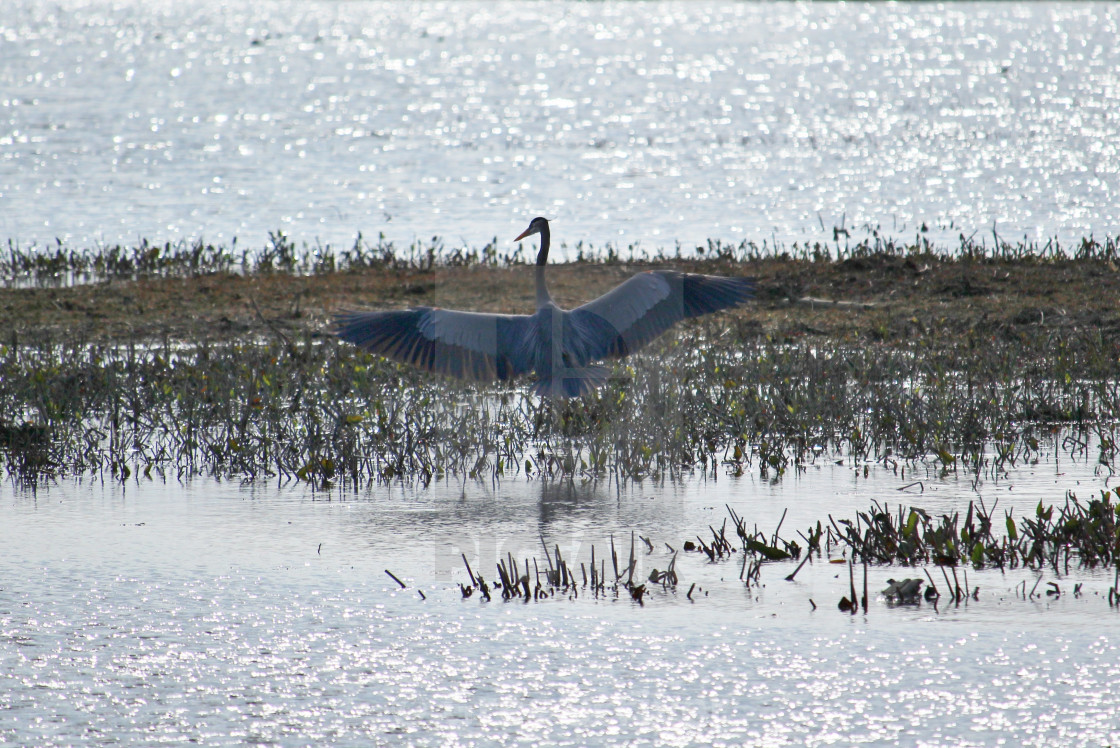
(560, 346)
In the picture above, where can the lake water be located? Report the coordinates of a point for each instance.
(225, 614)
(623, 122)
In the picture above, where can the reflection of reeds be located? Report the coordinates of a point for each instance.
(312, 410)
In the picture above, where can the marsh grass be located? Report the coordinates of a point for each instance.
(1087, 532)
(58, 264)
(311, 409)
(535, 579)
(719, 394)
(1051, 537)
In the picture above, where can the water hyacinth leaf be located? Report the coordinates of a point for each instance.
(767, 551)
(977, 556)
(911, 524)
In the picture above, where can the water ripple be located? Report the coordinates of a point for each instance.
(685, 121)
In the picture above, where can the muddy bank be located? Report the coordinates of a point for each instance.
(902, 300)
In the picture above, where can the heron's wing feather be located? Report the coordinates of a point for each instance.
(467, 345)
(650, 303)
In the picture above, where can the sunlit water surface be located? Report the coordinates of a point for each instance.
(223, 614)
(624, 122)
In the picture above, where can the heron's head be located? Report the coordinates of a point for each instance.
(537, 226)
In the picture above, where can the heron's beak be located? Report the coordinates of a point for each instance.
(522, 235)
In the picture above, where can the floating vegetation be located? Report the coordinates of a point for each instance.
(1087, 532)
(907, 591)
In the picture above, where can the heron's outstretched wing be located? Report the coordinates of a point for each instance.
(467, 345)
(650, 303)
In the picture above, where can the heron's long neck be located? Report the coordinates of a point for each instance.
(543, 296)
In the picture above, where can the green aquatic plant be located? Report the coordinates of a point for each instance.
(58, 264)
(1049, 537)
(308, 409)
(1053, 536)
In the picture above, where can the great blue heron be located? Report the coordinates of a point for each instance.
(559, 345)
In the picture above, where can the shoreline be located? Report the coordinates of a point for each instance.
(884, 298)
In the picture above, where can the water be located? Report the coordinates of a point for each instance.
(224, 614)
(622, 122)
